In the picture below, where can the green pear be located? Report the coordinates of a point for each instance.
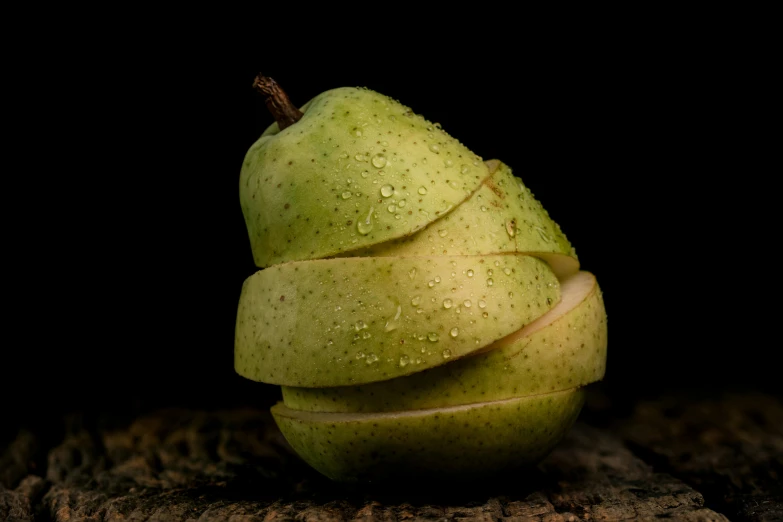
(459, 442)
(501, 216)
(335, 322)
(563, 348)
(422, 311)
(325, 184)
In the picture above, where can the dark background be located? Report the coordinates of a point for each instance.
(129, 244)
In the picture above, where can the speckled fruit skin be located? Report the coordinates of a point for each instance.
(501, 216)
(406, 298)
(568, 352)
(471, 441)
(314, 190)
(336, 322)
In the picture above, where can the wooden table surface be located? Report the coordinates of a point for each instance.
(678, 458)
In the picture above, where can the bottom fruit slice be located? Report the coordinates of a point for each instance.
(455, 442)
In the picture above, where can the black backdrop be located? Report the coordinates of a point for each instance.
(132, 245)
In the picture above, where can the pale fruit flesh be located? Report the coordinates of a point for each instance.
(464, 441)
(564, 348)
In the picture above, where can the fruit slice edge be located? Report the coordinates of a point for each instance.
(478, 439)
(501, 216)
(565, 347)
(325, 184)
(346, 321)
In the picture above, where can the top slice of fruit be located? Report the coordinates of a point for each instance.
(356, 170)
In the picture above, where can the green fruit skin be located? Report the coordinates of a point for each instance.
(501, 216)
(468, 442)
(346, 321)
(570, 351)
(314, 190)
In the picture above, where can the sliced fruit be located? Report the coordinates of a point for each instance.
(501, 216)
(565, 347)
(344, 321)
(473, 440)
(326, 184)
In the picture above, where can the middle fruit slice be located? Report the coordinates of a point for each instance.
(336, 322)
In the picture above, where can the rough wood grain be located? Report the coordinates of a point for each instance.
(234, 465)
(730, 448)
(20, 489)
(654, 463)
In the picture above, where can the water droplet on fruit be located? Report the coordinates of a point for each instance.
(431, 283)
(490, 272)
(482, 304)
(470, 273)
(437, 279)
(490, 282)
(483, 208)
(432, 336)
(416, 300)
(446, 353)
(364, 226)
(412, 273)
(360, 325)
(447, 303)
(485, 315)
(511, 228)
(404, 361)
(365, 173)
(393, 322)
(467, 303)
(392, 208)
(346, 194)
(464, 169)
(419, 360)
(379, 161)
(371, 358)
(507, 271)
(454, 332)
(422, 190)
(443, 233)
(434, 148)
(360, 355)
(366, 335)
(401, 203)
(387, 191)
(511, 295)
(543, 234)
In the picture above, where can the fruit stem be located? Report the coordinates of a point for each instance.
(285, 112)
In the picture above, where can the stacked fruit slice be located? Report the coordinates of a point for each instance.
(421, 311)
